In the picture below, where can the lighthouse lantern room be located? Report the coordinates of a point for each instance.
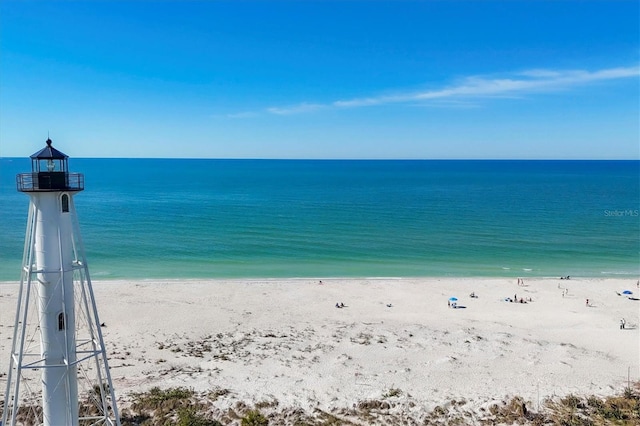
(57, 339)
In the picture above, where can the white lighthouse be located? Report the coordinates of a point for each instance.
(58, 373)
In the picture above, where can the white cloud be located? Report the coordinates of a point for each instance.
(295, 109)
(475, 87)
(246, 114)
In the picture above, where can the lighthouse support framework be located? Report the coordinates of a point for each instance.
(35, 384)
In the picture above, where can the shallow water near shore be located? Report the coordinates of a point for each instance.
(177, 218)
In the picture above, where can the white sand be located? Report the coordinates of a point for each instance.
(285, 340)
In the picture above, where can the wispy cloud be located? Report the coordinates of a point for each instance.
(296, 109)
(518, 84)
(245, 114)
(476, 87)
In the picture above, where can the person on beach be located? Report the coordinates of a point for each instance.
(622, 324)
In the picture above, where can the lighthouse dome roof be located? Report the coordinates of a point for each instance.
(49, 152)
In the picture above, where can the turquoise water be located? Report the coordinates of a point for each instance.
(176, 218)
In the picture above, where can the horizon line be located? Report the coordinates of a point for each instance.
(339, 159)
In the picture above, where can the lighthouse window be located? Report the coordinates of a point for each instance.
(61, 325)
(65, 203)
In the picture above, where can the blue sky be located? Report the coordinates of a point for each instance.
(332, 79)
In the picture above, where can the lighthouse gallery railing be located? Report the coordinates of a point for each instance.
(50, 181)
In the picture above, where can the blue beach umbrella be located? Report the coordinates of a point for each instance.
(627, 292)
(453, 299)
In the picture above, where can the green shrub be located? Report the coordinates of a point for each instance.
(156, 397)
(189, 417)
(254, 418)
(393, 392)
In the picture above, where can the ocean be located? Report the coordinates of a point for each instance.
(206, 218)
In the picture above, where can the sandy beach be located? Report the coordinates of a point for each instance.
(286, 341)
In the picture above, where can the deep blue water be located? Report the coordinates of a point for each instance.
(176, 218)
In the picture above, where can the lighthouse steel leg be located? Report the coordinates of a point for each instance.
(12, 394)
(94, 326)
